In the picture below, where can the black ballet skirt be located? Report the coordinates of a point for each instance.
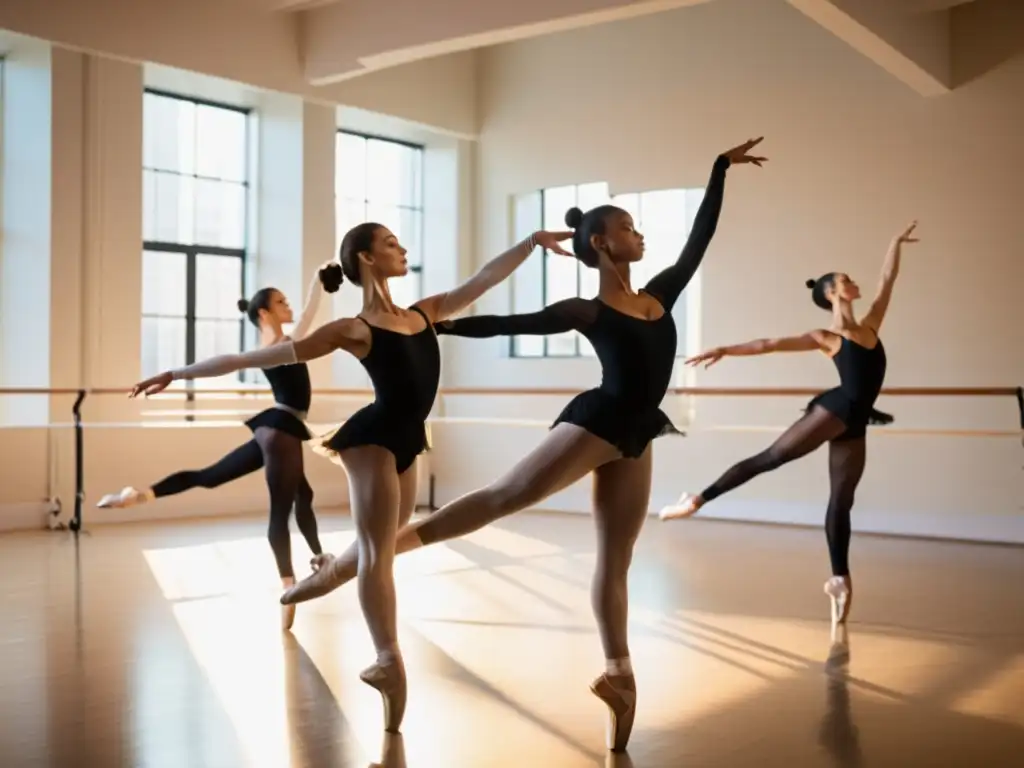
(626, 428)
(281, 420)
(861, 373)
(405, 370)
(637, 355)
(292, 388)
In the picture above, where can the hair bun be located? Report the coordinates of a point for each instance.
(573, 218)
(243, 305)
(811, 283)
(331, 277)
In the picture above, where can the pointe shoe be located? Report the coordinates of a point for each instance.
(319, 561)
(287, 611)
(838, 588)
(621, 703)
(128, 497)
(687, 506)
(389, 681)
(327, 577)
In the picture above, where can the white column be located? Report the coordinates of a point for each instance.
(112, 229)
(318, 225)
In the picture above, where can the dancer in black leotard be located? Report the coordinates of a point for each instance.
(606, 431)
(278, 433)
(379, 444)
(838, 417)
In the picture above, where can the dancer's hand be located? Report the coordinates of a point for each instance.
(151, 386)
(709, 358)
(907, 235)
(551, 240)
(739, 154)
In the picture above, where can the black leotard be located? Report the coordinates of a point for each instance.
(405, 370)
(292, 389)
(861, 373)
(637, 356)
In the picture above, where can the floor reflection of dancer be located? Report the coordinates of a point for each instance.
(838, 733)
(838, 417)
(379, 444)
(278, 433)
(607, 431)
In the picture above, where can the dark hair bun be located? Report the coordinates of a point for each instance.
(811, 283)
(243, 305)
(573, 218)
(331, 277)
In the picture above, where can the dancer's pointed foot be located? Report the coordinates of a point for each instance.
(687, 506)
(619, 695)
(127, 497)
(327, 577)
(840, 592)
(389, 680)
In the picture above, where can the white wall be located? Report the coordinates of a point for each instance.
(854, 155)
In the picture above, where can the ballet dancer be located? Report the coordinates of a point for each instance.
(838, 417)
(379, 444)
(606, 431)
(278, 433)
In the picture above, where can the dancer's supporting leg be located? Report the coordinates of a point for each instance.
(622, 490)
(845, 468)
(305, 518)
(810, 432)
(282, 460)
(244, 460)
(374, 493)
(408, 484)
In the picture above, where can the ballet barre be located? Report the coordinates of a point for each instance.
(261, 393)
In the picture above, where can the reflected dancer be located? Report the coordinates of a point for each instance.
(838, 734)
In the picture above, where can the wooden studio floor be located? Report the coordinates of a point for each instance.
(159, 645)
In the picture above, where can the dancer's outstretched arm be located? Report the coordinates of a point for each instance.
(347, 333)
(562, 316)
(441, 306)
(668, 284)
(819, 339)
(890, 270)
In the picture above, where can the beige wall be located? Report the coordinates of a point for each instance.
(854, 156)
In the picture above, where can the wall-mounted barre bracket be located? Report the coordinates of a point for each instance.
(76, 411)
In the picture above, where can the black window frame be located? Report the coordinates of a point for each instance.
(191, 252)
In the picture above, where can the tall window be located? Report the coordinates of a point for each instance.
(195, 199)
(381, 180)
(663, 216)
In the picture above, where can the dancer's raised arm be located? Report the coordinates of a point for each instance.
(327, 279)
(441, 306)
(668, 284)
(890, 270)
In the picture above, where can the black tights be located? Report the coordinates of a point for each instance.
(845, 469)
(281, 456)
